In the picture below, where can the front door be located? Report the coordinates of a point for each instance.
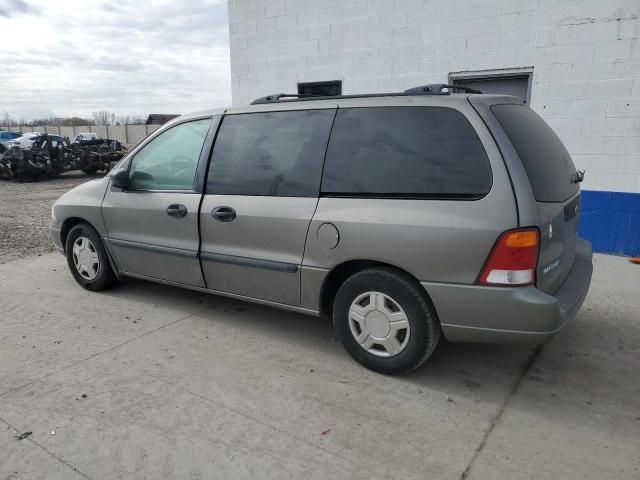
(152, 225)
(261, 193)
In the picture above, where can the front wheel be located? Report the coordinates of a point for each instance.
(385, 321)
(87, 258)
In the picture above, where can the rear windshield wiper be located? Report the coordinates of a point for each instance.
(579, 176)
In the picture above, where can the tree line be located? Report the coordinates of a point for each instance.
(102, 117)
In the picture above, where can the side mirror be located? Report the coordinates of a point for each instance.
(120, 178)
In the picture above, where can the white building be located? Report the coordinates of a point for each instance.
(576, 61)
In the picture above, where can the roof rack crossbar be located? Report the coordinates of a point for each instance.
(431, 89)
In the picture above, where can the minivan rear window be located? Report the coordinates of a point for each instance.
(405, 152)
(546, 160)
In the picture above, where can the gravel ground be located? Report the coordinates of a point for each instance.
(25, 214)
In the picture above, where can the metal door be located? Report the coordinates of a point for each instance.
(262, 191)
(152, 225)
(512, 85)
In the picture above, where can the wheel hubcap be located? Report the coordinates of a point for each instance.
(85, 258)
(379, 324)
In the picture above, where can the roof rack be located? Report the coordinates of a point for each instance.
(431, 89)
(275, 98)
(438, 89)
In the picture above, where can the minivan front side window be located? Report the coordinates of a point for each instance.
(169, 161)
(270, 153)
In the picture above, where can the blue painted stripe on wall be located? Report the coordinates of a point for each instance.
(611, 221)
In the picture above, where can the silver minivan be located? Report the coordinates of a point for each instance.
(403, 217)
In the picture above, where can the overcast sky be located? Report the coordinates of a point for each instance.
(73, 57)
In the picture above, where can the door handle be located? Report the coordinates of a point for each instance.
(176, 210)
(223, 214)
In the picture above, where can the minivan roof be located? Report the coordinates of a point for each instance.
(409, 97)
(429, 89)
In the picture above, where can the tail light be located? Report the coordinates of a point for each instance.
(513, 260)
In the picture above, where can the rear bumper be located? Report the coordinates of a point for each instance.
(471, 313)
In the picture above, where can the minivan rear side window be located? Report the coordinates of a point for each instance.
(405, 152)
(270, 153)
(546, 160)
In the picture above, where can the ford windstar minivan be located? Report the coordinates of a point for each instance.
(438, 211)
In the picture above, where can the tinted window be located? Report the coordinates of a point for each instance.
(169, 161)
(275, 153)
(545, 159)
(405, 151)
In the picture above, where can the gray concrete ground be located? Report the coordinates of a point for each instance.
(148, 381)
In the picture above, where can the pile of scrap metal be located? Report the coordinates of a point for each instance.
(49, 157)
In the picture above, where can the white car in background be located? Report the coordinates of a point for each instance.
(25, 142)
(84, 137)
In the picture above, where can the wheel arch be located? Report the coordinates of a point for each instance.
(67, 225)
(71, 222)
(340, 273)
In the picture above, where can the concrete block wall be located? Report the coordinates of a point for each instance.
(67, 132)
(137, 133)
(585, 56)
(100, 130)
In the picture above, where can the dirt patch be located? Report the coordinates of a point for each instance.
(25, 214)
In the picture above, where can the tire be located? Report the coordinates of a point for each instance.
(401, 306)
(89, 249)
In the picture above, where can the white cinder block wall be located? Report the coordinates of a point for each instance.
(585, 56)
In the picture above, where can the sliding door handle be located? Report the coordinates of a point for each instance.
(223, 214)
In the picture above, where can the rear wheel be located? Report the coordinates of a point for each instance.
(87, 258)
(385, 321)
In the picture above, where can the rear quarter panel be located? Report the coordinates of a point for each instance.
(433, 240)
(558, 236)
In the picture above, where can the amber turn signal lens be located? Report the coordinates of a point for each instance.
(522, 239)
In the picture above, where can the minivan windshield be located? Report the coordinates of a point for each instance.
(546, 160)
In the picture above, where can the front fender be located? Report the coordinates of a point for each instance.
(83, 202)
